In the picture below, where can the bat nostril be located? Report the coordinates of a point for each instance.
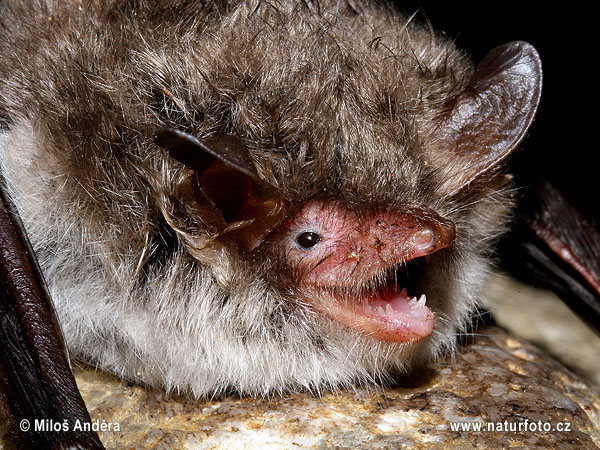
(423, 238)
(379, 244)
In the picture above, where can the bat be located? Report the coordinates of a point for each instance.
(254, 197)
(35, 374)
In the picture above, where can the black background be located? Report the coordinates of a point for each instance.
(560, 144)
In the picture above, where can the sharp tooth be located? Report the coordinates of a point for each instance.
(379, 310)
(412, 299)
(388, 309)
(422, 300)
(403, 292)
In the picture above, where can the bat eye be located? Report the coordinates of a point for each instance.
(308, 239)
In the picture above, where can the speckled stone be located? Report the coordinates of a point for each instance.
(539, 316)
(494, 378)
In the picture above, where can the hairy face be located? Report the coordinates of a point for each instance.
(353, 267)
(257, 196)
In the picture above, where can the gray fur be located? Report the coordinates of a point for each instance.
(333, 100)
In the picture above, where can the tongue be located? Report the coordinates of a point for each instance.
(387, 316)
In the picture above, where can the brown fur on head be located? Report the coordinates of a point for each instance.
(333, 101)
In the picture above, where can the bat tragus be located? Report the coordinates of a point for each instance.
(250, 197)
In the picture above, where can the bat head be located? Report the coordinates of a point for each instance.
(353, 265)
(325, 209)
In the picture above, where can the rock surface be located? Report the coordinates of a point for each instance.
(539, 316)
(495, 379)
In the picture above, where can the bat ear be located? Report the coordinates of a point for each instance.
(241, 205)
(489, 119)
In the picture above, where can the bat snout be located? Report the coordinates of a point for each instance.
(404, 236)
(432, 237)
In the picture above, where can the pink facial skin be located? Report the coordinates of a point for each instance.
(344, 265)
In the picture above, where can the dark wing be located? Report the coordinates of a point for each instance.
(35, 374)
(555, 245)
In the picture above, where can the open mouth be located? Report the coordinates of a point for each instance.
(367, 271)
(390, 307)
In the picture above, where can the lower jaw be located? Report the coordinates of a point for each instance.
(389, 317)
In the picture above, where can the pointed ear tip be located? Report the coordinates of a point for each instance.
(531, 64)
(161, 136)
(520, 45)
(524, 52)
(531, 52)
(518, 62)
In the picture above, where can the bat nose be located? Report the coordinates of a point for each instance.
(410, 234)
(432, 236)
(423, 239)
